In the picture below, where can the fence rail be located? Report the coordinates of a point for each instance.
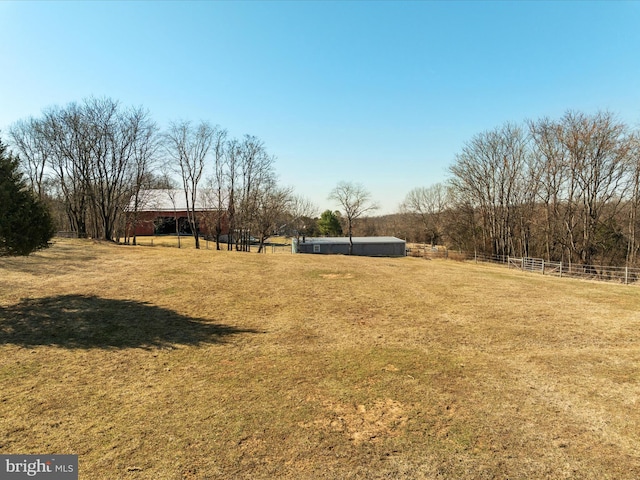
(625, 275)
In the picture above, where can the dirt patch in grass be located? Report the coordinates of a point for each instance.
(165, 363)
(362, 423)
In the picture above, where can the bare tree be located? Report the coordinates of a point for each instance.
(64, 132)
(356, 201)
(232, 160)
(272, 205)
(427, 203)
(188, 147)
(583, 174)
(549, 159)
(122, 142)
(256, 174)
(173, 197)
(29, 140)
(634, 160)
(487, 175)
(215, 195)
(301, 213)
(597, 148)
(144, 151)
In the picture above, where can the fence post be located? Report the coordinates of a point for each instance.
(522, 264)
(543, 266)
(626, 275)
(508, 262)
(560, 269)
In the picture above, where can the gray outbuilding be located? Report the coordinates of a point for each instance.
(365, 246)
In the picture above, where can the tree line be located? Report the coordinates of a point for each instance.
(564, 189)
(94, 161)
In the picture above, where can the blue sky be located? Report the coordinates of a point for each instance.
(380, 93)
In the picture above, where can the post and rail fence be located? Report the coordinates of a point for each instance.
(624, 275)
(608, 273)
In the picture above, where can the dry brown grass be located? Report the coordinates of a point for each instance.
(158, 363)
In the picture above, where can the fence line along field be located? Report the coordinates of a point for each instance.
(165, 363)
(274, 244)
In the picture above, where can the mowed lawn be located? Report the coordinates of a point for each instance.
(165, 363)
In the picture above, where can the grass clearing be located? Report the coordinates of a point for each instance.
(163, 363)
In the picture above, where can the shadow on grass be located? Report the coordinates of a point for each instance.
(77, 321)
(58, 259)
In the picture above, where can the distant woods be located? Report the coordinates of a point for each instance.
(564, 189)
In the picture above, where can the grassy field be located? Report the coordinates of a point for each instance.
(165, 363)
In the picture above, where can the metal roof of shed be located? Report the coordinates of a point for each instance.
(345, 240)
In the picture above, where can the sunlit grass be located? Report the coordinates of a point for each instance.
(166, 363)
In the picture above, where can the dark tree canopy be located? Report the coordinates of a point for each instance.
(329, 224)
(25, 222)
